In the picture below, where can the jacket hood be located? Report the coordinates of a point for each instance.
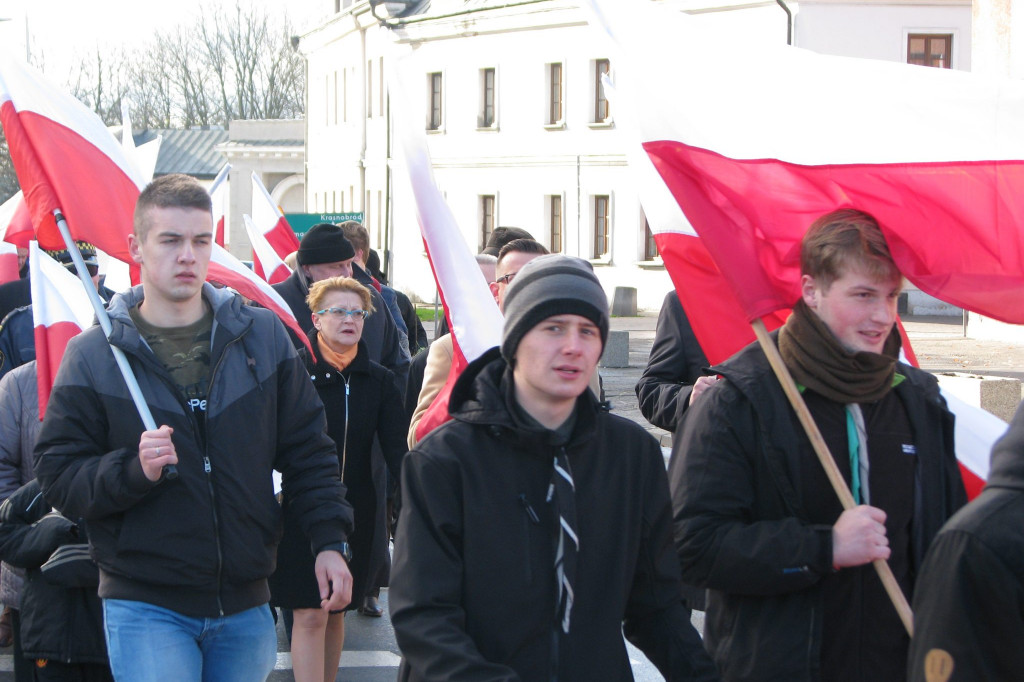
(1007, 467)
(484, 395)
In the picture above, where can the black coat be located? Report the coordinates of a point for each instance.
(473, 590)
(969, 598)
(739, 530)
(379, 330)
(204, 543)
(61, 614)
(674, 365)
(361, 404)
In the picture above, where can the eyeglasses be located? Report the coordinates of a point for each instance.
(507, 279)
(342, 313)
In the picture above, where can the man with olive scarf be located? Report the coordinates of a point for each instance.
(793, 594)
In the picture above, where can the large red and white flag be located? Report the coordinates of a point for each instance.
(265, 261)
(66, 158)
(270, 222)
(472, 315)
(60, 310)
(932, 154)
(220, 193)
(227, 270)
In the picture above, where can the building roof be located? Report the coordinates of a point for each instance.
(192, 152)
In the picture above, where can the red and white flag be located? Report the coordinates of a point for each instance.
(66, 158)
(15, 222)
(934, 155)
(472, 315)
(227, 270)
(265, 261)
(220, 193)
(9, 269)
(60, 310)
(270, 222)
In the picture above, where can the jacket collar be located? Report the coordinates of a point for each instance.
(323, 373)
(484, 395)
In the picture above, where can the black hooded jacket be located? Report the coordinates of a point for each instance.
(473, 593)
(969, 600)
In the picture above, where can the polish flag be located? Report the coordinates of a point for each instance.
(472, 315)
(227, 270)
(265, 260)
(60, 310)
(220, 193)
(934, 155)
(268, 219)
(9, 270)
(15, 222)
(66, 158)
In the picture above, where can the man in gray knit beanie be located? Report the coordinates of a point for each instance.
(537, 517)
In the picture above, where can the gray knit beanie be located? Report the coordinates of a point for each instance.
(551, 285)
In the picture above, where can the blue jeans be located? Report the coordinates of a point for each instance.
(147, 643)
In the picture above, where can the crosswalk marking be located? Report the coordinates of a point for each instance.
(349, 659)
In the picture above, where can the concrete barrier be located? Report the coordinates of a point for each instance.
(616, 349)
(624, 302)
(998, 395)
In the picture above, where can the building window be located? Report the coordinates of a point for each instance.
(487, 213)
(930, 50)
(555, 83)
(487, 97)
(555, 222)
(650, 246)
(434, 120)
(601, 111)
(602, 225)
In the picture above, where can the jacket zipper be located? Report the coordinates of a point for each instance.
(208, 469)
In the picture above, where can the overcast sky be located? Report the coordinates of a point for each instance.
(64, 29)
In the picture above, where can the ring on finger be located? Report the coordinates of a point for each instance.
(158, 451)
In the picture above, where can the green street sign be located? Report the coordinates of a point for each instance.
(301, 222)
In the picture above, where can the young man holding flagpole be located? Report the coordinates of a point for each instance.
(184, 561)
(792, 593)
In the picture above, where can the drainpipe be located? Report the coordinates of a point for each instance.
(789, 21)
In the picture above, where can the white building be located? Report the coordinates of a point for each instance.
(518, 128)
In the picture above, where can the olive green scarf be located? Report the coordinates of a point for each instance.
(818, 361)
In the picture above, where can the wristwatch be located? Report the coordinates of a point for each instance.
(341, 548)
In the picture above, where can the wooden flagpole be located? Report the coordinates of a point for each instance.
(835, 477)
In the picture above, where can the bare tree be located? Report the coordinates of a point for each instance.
(241, 67)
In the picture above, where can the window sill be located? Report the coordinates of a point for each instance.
(555, 126)
(488, 129)
(601, 261)
(602, 125)
(654, 264)
(435, 131)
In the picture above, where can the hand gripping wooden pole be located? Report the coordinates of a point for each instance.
(831, 470)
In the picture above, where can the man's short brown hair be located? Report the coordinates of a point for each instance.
(358, 235)
(841, 239)
(523, 245)
(169, 191)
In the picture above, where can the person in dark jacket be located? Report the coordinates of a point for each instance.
(61, 615)
(361, 403)
(792, 593)
(324, 252)
(674, 375)
(184, 559)
(535, 526)
(969, 597)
